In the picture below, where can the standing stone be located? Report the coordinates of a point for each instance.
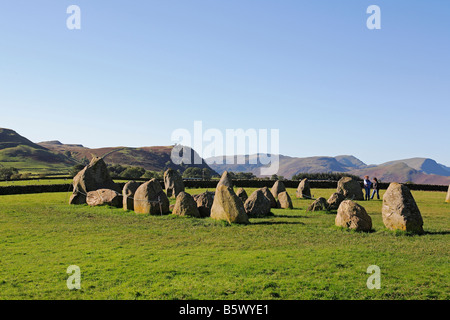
(284, 201)
(447, 199)
(268, 195)
(129, 189)
(102, 197)
(350, 188)
(151, 199)
(185, 205)
(225, 180)
(353, 216)
(227, 206)
(93, 177)
(304, 190)
(400, 211)
(257, 205)
(335, 200)
(242, 194)
(173, 183)
(319, 204)
(204, 203)
(277, 188)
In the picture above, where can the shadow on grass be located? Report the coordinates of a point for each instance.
(275, 222)
(290, 216)
(343, 229)
(434, 233)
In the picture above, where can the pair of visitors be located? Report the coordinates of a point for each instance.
(368, 185)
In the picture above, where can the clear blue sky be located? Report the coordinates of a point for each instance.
(137, 70)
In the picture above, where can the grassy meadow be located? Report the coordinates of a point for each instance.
(291, 255)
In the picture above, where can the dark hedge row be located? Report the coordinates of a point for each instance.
(210, 185)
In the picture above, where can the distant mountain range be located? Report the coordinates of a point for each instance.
(416, 170)
(54, 156)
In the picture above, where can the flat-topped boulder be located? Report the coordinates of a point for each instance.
(350, 188)
(227, 206)
(353, 216)
(257, 205)
(93, 177)
(173, 183)
(303, 189)
(103, 197)
(149, 198)
(400, 211)
(284, 201)
(128, 191)
(185, 205)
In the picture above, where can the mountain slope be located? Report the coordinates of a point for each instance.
(19, 152)
(288, 166)
(150, 158)
(424, 165)
(401, 172)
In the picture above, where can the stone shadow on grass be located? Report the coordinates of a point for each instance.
(290, 216)
(276, 222)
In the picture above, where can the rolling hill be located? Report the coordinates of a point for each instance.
(19, 152)
(150, 158)
(56, 157)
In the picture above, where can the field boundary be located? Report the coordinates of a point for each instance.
(209, 184)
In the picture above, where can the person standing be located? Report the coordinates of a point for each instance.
(376, 188)
(367, 186)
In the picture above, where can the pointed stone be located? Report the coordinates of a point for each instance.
(303, 189)
(228, 207)
(277, 188)
(185, 205)
(400, 211)
(225, 180)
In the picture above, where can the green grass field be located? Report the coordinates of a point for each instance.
(292, 255)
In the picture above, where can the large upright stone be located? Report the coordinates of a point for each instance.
(335, 200)
(173, 183)
(185, 205)
(284, 201)
(225, 180)
(93, 177)
(400, 211)
(353, 216)
(268, 195)
(303, 189)
(277, 188)
(128, 191)
(447, 199)
(350, 188)
(151, 199)
(227, 206)
(103, 197)
(257, 205)
(204, 203)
